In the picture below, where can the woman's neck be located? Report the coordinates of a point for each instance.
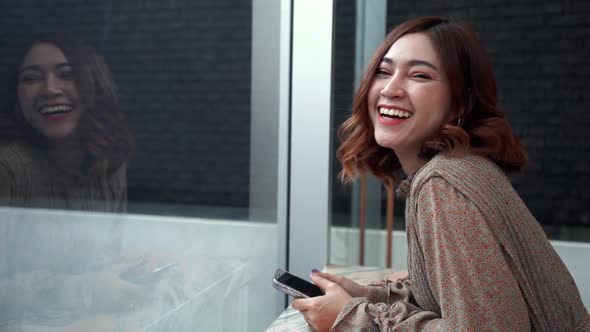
(411, 161)
(67, 153)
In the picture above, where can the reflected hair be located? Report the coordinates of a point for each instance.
(476, 124)
(103, 128)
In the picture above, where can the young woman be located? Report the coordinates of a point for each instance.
(478, 260)
(64, 140)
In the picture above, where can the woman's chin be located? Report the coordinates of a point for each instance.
(59, 135)
(386, 141)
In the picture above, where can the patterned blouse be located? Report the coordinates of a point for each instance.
(29, 178)
(478, 261)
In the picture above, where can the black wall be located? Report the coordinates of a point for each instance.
(342, 95)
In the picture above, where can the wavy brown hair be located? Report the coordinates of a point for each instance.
(484, 129)
(105, 135)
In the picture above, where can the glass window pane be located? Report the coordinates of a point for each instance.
(175, 229)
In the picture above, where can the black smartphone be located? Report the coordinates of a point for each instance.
(294, 286)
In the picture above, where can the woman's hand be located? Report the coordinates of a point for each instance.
(398, 276)
(351, 287)
(320, 312)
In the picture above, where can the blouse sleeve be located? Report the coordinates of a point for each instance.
(465, 269)
(388, 291)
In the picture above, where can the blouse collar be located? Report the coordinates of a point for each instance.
(403, 189)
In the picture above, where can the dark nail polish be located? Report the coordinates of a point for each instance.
(314, 271)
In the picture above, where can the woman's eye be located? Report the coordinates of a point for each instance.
(382, 72)
(421, 76)
(66, 75)
(27, 79)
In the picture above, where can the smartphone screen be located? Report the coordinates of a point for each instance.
(299, 285)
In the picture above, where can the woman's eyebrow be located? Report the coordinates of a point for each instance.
(39, 69)
(63, 65)
(29, 68)
(412, 63)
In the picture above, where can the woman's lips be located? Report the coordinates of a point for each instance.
(55, 108)
(389, 121)
(392, 115)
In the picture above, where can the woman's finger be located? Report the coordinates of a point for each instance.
(398, 275)
(332, 277)
(321, 282)
(300, 304)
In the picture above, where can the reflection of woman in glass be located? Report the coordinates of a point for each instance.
(64, 139)
(65, 145)
(477, 258)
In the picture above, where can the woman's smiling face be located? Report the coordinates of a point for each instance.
(47, 94)
(410, 97)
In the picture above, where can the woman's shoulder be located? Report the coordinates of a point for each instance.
(465, 173)
(17, 155)
(443, 164)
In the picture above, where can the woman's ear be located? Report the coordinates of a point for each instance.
(458, 116)
(455, 116)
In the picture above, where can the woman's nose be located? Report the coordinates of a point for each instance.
(393, 89)
(52, 85)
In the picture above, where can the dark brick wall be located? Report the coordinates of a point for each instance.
(183, 71)
(540, 53)
(342, 94)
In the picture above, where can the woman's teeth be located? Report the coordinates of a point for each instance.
(55, 109)
(394, 112)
